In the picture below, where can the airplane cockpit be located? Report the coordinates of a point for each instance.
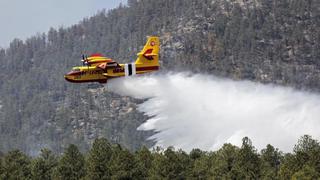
(74, 71)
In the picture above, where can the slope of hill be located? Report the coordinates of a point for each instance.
(266, 41)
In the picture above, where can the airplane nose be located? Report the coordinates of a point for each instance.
(66, 77)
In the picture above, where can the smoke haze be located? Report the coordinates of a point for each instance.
(201, 111)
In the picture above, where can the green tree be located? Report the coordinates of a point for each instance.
(288, 166)
(71, 164)
(43, 166)
(305, 158)
(170, 165)
(143, 159)
(223, 162)
(270, 162)
(306, 173)
(196, 153)
(16, 166)
(98, 161)
(122, 164)
(307, 151)
(248, 162)
(157, 168)
(200, 164)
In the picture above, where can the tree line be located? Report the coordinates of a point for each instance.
(111, 161)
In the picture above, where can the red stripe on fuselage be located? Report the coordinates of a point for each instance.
(148, 68)
(84, 81)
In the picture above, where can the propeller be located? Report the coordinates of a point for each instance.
(83, 63)
(84, 60)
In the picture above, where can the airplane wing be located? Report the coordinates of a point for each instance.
(106, 65)
(112, 64)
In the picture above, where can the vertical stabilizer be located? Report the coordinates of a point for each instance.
(149, 56)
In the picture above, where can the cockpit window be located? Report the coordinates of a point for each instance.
(75, 71)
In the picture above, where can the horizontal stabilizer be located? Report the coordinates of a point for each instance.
(147, 54)
(151, 54)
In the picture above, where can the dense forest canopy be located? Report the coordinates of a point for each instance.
(269, 41)
(111, 161)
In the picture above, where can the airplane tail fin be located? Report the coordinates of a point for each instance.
(150, 53)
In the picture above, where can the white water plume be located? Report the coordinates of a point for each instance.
(201, 111)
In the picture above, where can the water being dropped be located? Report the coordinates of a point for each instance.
(201, 111)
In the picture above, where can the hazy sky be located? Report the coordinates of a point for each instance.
(24, 18)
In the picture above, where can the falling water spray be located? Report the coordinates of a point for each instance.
(201, 111)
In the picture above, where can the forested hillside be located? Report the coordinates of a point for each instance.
(111, 161)
(270, 41)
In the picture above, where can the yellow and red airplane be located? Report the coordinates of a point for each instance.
(97, 68)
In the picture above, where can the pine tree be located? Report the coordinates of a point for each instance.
(143, 159)
(200, 164)
(307, 151)
(43, 166)
(16, 166)
(223, 162)
(248, 162)
(99, 160)
(122, 164)
(270, 162)
(288, 166)
(306, 173)
(71, 164)
(170, 165)
(304, 161)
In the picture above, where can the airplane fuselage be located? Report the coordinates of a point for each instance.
(83, 74)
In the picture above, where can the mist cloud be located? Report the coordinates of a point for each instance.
(201, 111)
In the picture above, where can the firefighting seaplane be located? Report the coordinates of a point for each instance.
(97, 68)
